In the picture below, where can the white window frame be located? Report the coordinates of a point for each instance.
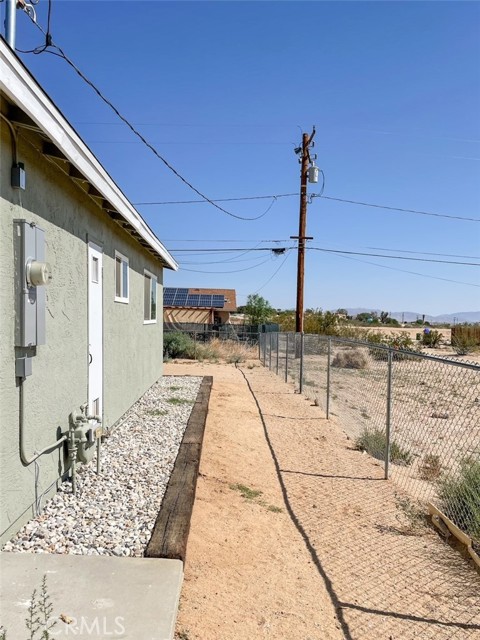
(153, 282)
(123, 260)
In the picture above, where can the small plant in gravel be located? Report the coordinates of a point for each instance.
(156, 412)
(351, 359)
(182, 635)
(179, 401)
(459, 497)
(374, 442)
(274, 509)
(430, 467)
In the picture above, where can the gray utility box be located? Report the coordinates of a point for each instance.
(30, 300)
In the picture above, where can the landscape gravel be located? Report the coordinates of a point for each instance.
(113, 513)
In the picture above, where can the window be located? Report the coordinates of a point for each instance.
(150, 298)
(121, 278)
(94, 269)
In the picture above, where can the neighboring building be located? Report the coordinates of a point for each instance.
(94, 334)
(198, 306)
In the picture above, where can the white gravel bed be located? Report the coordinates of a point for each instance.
(114, 513)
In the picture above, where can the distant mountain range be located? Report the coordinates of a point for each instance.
(410, 316)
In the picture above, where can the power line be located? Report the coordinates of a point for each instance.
(415, 273)
(274, 273)
(234, 271)
(315, 195)
(383, 206)
(379, 255)
(278, 195)
(61, 54)
(323, 249)
(426, 253)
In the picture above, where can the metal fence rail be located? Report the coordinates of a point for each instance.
(419, 414)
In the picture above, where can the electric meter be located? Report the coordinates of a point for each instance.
(38, 273)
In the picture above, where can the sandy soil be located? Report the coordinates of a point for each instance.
(342, 559)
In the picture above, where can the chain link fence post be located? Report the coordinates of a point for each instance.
(270, 350)
(389, 412)
(264, 345)
(302, 346)
(286, 358)
(329, 355)
(278, 350)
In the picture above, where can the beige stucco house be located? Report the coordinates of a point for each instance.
(198, 306)
(80, 298)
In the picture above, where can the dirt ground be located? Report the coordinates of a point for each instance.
(327, 550)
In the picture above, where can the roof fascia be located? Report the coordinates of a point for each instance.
(22, 89)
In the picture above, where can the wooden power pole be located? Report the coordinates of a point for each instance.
(302, 229)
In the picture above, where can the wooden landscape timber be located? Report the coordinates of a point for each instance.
(170, 533)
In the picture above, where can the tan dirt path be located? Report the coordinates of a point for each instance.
(335, 562)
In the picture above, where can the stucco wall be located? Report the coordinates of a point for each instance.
(132, 349)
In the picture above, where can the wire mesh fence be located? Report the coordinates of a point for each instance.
(418, 414)
(203, 334)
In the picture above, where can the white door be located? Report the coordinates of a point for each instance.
(95, 330)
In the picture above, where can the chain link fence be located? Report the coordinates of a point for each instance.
(418, 414)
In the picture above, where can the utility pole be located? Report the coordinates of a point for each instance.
(302, 227)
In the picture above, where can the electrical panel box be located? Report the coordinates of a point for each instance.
(32, 273)
(18, 176)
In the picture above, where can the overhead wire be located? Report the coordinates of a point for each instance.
(234, 271)
(324, 249)
(274, 273)
(379, 255)
(313, 196)
(388, 208)
(49, 44)
(415, 273)
(277, 195)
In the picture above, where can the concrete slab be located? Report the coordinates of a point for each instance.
(96, 596)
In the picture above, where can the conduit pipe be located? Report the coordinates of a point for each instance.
(14, 137)
(25, 459)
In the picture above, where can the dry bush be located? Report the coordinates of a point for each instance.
(228, 350)
(430, 467)
(351, 359)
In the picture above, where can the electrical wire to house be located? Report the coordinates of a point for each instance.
(47, 48)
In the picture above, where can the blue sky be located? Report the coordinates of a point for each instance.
(223, 91)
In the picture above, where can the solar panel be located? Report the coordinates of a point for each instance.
(218, 302)
(179, 297)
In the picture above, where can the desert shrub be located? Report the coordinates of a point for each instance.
(463, 344)
(351, 359)
(354, 333)
(459, 497)
(374, 442)
(397, 341)
(432, 339)
(430, 467)
(231, 351)
(178, 345)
